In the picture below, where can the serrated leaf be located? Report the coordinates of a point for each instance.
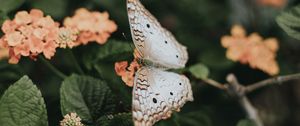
(90, 98)
(200, 71)
(121, 119)
(22, 105)
(10, 5)
(112, 51)
(246, 122)
(289, 21)
(107, 72)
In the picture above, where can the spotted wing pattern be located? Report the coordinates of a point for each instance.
(156, 93)
(154, 42)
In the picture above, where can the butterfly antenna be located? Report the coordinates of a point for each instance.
(124, 36)
(131, 46)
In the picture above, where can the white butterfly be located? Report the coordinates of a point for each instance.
(153, 42)
(156, 93)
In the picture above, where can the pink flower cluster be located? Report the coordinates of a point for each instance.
(92, 26)
(31, 34)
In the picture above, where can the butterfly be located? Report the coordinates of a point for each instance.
(153, 42)
(156, 93)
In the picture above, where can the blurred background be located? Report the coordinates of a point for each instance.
(198, 24)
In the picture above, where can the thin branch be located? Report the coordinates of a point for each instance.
(238, 90)
(251, 110)
(271, 81)
(215, 84)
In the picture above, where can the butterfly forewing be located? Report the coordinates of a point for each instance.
(156, 93)
(154, 42)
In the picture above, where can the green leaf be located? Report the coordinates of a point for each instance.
(195, 118)
(3, 17)
(9, 74)
(246, 122)
(7, 6)
(121, 119)
(22, 104)
(112, 51)
(289, 21)
(90, 98)
(107, 72)
(200, 71)
(168, 122)
(47, 6)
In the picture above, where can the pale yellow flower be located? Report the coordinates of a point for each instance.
(71, 120)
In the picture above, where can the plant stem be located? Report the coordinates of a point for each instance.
(215, 84)
(52, 68)
(275, 80)
(238, 90)
(76, 64)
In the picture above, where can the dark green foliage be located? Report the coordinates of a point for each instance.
(22, 105)
(112, 51)
(47, 7)
(246, 122)
(90, 98)
(120, 119)
(10, 5)
(289, 21)
(100, 97)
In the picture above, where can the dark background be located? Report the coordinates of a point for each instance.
(198, 24)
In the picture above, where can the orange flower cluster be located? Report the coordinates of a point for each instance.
(29, 34)
(127, 72)
(273, 3)
(92, 26)
(252, 50)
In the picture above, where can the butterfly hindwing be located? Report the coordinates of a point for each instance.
(156, 93)
(154, 42)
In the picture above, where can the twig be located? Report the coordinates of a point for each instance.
(235, 88)
(215, 84)
(275, 80)
(251, 110)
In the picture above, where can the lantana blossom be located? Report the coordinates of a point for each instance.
(91, 26)
(29, 34)
(71, 119)
(127, 72)
(252, 50)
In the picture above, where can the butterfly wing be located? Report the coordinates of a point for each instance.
(156, 94)
(154, 42)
